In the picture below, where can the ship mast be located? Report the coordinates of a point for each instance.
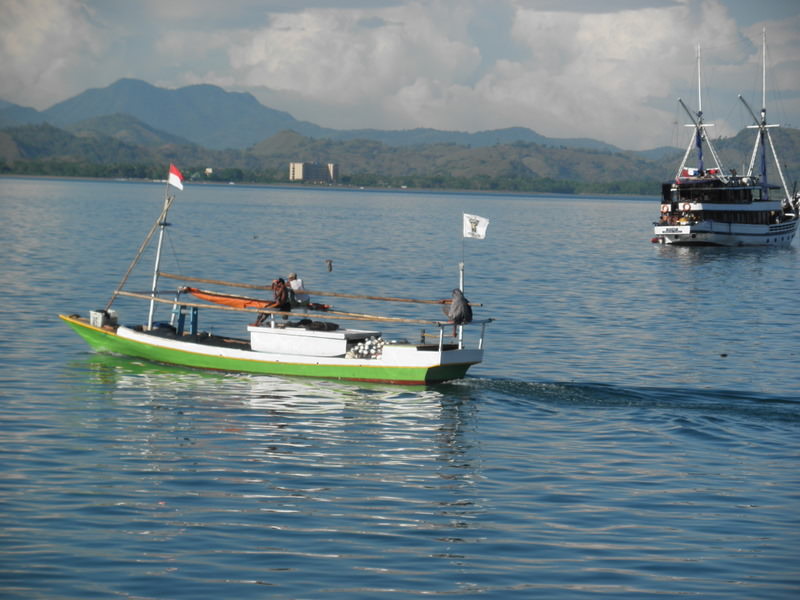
(699, 129)
(699, 132)
(760, 147)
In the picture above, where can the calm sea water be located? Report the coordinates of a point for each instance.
(632, 433)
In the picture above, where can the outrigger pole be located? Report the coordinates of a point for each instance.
(309, 292)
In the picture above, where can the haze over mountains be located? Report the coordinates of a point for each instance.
(214, 118)
(134, 122)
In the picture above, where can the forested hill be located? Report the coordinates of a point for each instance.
(131, 149)
(132, 129)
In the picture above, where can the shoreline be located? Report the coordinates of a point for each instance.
(333, 188)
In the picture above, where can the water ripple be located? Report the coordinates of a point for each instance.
(612, 445)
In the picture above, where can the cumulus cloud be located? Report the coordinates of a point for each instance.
(42, 44)
(565, 68)
(573, 74)
(783, 68)
(352, 56)
(603, 75)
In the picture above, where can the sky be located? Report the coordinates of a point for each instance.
(605, 69)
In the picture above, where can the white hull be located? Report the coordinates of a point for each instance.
(710, 233)
(394, 355)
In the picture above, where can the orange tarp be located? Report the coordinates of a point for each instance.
(228, 299)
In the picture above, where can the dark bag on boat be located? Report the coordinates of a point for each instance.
(460, 311)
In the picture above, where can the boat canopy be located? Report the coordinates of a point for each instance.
(226, 299)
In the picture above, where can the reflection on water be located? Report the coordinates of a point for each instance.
(158, 380)
(286, 418)
(632, 432)
(738, 257)
(271, 463)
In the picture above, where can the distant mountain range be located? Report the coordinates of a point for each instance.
(132, 121)
(211, 117)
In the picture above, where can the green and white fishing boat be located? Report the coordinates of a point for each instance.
(286, 343)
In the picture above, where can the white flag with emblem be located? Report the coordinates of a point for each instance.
(475, 226)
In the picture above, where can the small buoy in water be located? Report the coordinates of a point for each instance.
(657, 240)
(724, 354)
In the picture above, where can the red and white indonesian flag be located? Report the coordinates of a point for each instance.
(475, 226)
(175, 177)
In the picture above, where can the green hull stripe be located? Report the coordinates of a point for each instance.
(107, 341)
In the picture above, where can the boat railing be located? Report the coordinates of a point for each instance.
(275, 317)
(440, 335)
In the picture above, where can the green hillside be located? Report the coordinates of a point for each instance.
(120, 146)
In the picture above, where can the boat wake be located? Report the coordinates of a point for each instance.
(560, 395)
(528, 397)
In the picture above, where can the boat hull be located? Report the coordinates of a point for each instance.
(409, 366)
(710, 233)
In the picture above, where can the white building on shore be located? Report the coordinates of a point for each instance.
(313, 172)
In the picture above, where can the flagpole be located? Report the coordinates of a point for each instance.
(461, 266)
(461, 282)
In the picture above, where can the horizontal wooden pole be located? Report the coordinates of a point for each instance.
(310, 292)
(327, 315)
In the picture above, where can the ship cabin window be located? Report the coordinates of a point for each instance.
(708, 195)
(737, 195)
(747, 218)
(667, 195)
